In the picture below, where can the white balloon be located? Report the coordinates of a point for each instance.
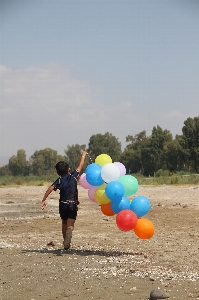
(110, 172)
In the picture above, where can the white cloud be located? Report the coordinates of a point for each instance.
(46, 107)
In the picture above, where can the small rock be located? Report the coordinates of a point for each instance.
(185, 205)
(152, 278)
(158, 294)
(176, 204)
(51, 244)
(46, 216)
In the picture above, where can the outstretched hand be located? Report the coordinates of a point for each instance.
(84, 153)
(43, 205)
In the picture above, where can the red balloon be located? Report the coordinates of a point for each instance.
(126, 220)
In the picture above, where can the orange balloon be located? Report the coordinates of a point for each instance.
(106, 209)
(144, 229)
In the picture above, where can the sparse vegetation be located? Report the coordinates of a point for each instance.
(26, 180)
(175, 179)
(45, 180)
(155, 159)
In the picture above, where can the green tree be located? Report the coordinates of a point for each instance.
(18, 164)
(130, 161)
(136, 154)
(73, 154)
(104, 144)
(190, 143)
(159, 138)
(171, 155)
(175, 154)
(5, 170)
(43, 161)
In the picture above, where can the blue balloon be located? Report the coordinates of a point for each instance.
(93, 174)
(123, 204)
(114, 190)
(140, 205)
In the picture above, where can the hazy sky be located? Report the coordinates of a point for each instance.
(71, 69)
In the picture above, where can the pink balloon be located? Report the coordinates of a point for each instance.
(91, 193)
(83, 182)
(121, 168)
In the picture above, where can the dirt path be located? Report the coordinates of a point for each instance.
(103, 262)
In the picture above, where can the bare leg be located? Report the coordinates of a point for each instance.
(64, 227)
(67, 228)
(69, 223)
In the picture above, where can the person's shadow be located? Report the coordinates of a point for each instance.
(81, 252)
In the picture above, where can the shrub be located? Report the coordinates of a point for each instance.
(162, 172)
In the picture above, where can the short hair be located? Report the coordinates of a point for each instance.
(62, 168)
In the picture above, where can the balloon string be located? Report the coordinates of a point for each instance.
(89, 157)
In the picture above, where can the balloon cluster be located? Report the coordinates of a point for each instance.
(108, 185)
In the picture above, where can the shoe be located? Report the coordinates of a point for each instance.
(67, 248)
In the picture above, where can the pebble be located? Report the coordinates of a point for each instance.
(184, 206)
(152, 278)
(158, 294)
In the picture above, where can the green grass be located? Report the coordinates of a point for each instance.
(169, 180)
(175, 179)
(26, 180)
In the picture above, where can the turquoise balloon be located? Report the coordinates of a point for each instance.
(130, 184)
(118, 206)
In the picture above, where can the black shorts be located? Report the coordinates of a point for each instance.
(68, 210)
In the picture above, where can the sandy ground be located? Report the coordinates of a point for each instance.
(103, 262)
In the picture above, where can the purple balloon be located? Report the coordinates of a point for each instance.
(121, 168)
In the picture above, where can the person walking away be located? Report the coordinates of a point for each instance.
(67, 184)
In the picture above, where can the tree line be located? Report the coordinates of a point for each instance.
(143, 154)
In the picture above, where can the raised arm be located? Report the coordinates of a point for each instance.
(81, 163)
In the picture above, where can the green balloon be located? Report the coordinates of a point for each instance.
(130, 184)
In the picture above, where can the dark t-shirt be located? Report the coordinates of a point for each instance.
(67, 184)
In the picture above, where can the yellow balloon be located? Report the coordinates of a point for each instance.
(100, 195)
(103, 159)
